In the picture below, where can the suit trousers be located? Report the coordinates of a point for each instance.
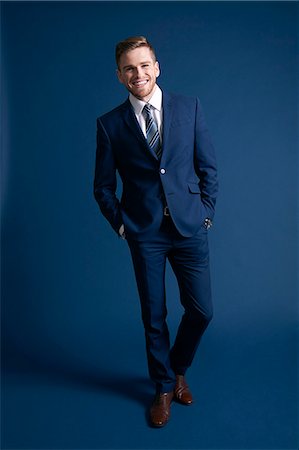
(189, 259)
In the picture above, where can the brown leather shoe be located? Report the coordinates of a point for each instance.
(160, 409)
(181, 391)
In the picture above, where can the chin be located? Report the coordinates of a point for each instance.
(140, 95)
(144, 94)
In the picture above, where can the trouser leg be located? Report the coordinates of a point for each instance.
(190, 262)
(149, 260)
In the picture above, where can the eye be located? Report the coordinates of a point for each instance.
(145, 65)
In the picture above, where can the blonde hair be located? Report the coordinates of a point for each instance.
(130, 44)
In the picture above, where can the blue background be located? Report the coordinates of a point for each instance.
(73, 342)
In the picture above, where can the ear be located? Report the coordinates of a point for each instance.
(157, 69)
(119, 76)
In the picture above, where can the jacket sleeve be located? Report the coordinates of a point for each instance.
(105, 179)
(205, 162)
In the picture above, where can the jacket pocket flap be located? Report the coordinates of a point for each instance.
(194, 188)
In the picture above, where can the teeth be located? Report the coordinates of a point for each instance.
(140, 83)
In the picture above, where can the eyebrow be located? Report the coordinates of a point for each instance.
(131, 65)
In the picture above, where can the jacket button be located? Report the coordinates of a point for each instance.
(162, 171)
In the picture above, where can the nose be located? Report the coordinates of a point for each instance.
(139, 72)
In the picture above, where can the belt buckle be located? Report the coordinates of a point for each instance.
(166, 211)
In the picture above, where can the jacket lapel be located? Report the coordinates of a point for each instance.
(167, 104)
(132, 122)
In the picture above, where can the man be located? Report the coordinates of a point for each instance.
(159, 144)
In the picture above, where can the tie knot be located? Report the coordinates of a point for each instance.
(147, 109)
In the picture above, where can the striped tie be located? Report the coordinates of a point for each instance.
(152, 133)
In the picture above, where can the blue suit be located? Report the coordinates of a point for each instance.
(185, 179)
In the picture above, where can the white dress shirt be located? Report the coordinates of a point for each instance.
(156, 102)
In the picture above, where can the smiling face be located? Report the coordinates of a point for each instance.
(138, 72)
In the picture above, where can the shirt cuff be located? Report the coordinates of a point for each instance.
(121, 231)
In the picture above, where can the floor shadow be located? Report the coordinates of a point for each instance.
(129, 385)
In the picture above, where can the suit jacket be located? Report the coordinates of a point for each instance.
(185, 178)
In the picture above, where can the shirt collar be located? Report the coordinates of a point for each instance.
(155, 101)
